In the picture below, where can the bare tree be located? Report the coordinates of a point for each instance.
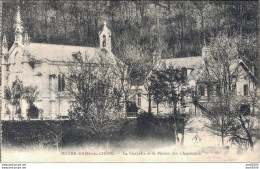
(91, 87)
(134, 69)
(173, 81)
(167, 85)
(222, 71)
(246, 130)
(55, 130)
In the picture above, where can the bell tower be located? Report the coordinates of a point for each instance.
(105, 38)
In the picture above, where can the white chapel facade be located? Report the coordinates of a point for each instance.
(39, 64)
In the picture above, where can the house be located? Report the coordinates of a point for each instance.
(201, 94)
(39, 64)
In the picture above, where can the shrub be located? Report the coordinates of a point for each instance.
(145, 124)
(33, 112)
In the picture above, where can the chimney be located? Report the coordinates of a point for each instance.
(205, 51)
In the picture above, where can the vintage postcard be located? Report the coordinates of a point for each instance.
(129, 81)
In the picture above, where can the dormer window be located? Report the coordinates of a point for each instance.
(184, 72)
(104, 41)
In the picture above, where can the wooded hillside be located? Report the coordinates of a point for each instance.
(169, 28)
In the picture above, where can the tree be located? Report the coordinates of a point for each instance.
(174, 81)
(156, 88)
(166, 84)
(136, 65)
(246, 129)
(13, 96)
(30, 95)
(222, 71)
(16, 93)
(55, 130)
(91, 85)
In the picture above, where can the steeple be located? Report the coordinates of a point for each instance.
(4, 46)
(18, 27)
(105, 38)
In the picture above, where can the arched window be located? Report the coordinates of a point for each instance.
(104, 41)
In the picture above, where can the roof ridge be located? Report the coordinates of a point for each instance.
(62, 45)
(183, 57)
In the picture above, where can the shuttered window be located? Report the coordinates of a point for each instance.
(61, 83)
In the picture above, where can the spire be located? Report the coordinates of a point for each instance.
(4, 49)
(105, 23)
(18, 27)
(5, 44)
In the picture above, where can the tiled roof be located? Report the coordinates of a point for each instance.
(53, 52)
(186, 62)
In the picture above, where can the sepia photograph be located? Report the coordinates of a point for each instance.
(129, 81)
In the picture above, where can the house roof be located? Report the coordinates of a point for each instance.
(186, 62)
(251, 74)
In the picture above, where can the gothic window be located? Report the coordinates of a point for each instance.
(61, 83)
(104, 41)
(139, 100)
(245, 90)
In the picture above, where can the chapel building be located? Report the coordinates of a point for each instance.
(37, 64)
